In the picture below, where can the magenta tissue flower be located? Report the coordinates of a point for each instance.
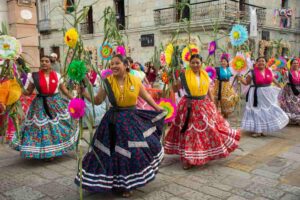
(212, 47)
(121, 50)
(105, 73)
(211, 72)
(76, 108)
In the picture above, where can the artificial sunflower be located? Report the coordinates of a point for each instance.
(169, 53)
(71, 37)
(188, 51)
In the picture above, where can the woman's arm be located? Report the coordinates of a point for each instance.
(147, 97)
(276, 83)
(211, 96)
(176, 86)
(98, 98)
(65, 91)
(29, 89)
(246, 81)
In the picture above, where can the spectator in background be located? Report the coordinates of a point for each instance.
(55, 65)
(151, 74)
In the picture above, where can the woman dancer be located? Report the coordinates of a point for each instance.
(262, 113)
(225, 96)
(48, 130)
(127, 140)
(199, 133)
(289, 97)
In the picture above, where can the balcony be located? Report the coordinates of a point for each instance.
(44, 25)
(204, 13)
(87, 28)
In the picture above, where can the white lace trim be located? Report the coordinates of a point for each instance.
(43, 122)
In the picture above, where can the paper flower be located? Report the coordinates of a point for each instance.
(10, 91)
(271, 62)
(169, 53)
(278, 76)
(281, 63)
(10, 47)
(77, 70)
(239, 64)
(169, 107)
(212, 47)
(226, 56)
(238, 35)
(106, 51)
(211, 72)
(188, 51)
(2, 108)
(121, 50)
(76, 108)
(71, 37)
(164, 78)
(162, 59)
(105, 73)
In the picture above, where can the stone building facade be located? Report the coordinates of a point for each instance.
(150, 23)
(21, 18)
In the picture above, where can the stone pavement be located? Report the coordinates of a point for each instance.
(261, 169)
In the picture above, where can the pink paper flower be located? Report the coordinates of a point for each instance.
(212, 47)
(76, 108)
(163, 59)
(121, 50)
(211, 72)
(105, 73)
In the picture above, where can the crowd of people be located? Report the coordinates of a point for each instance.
(126, 149)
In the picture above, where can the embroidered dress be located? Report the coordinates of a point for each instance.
(223, 91)
(48, 130)
(127, 142)
(289, 97)
(262, 113)
(199, 133)
(99, 109)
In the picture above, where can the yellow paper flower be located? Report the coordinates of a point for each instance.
(71, 37)
(168, 53)
(188, 51)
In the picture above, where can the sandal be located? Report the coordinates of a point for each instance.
(255, 135)
(186, 166)
(127, 194)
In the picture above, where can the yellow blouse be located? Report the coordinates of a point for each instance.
(197, 88)
(127, 95)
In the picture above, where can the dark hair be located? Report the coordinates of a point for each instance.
(293, 60)
(262, 58)
(196, 56)
(130, 60)
(46, 56)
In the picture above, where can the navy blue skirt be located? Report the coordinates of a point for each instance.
(127, 143)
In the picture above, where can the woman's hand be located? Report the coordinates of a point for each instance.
(159, 108)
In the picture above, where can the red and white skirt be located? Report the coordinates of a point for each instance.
(207, 137)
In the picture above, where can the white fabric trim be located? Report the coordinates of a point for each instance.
(122, 151)
(36, 121)
(100, 146)
(149, 132)
(134, 144)
(159, 117)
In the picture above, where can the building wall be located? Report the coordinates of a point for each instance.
(140, 20)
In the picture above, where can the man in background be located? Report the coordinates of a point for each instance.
(56, 66)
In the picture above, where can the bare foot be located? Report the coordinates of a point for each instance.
(127, 194)
(186, 166)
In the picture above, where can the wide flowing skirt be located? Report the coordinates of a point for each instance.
(229, 97)
(127, 157)
(290, 103)
(208, 136)
(267, 117)
(42, 137)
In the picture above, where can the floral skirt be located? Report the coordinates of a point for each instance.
(290, 103)
(267, 117)
(229, 98)
(124, 154)
(44, 137)
(208, 135)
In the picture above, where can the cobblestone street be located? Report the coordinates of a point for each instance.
(261, 169)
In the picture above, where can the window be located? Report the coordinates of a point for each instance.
(186, 10)
(44, 14)
(87, 27)
(265, 35)
(284, 4)
(69, 6)
(120, 14)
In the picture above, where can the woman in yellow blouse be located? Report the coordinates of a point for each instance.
(127, 141)
(199, 133)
